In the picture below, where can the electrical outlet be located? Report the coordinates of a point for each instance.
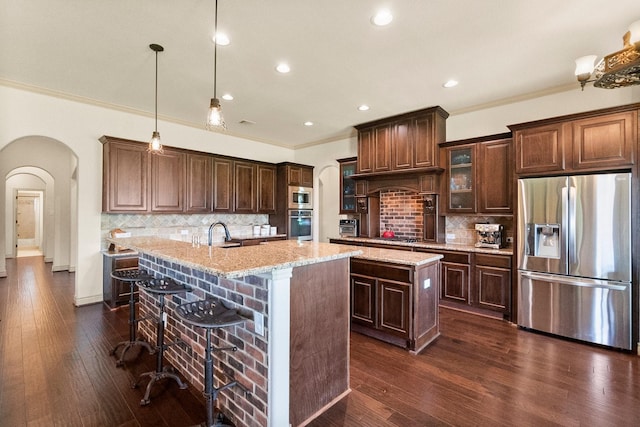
(258, 320)
(184, 232)
(426, 284)
(509, 239)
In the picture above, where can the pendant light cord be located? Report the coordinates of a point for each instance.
(156, 128)
(215, 48)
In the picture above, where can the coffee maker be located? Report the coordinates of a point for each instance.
(489, 236)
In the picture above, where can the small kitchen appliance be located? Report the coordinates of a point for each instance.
(349, 228)
(489, 236)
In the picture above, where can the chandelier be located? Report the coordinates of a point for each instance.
(618, 69)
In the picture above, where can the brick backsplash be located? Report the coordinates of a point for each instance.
(249, 365)
(401, 211)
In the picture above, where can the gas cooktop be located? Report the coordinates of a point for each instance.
(399, 239)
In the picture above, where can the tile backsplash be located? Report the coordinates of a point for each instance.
(461, 229)
(172, 226)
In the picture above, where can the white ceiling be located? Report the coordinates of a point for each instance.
(497, 49)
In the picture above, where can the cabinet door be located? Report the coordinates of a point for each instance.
(167, 181)
(402, 145)
(493, 288)
(366, 148)
(394, 303)
(294, 175)
(605, 142)
(382, 149)
(199, 183)
(347, 187)
(455, 282)
(495, 177)
(244, 177)
(306, 179)
(461, 179)
(424, 142)
(126, 177)
(540, 149)
(363, 300)
(222, 185)
(266, 189)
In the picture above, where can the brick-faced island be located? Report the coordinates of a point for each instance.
(299, 365)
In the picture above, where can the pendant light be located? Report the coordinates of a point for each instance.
(155, 145)
(215, 120)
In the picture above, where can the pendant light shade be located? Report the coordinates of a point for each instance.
(215, 120)
(155, 145)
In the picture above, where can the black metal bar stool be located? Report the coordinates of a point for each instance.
(161, 287)
(132, 277)
(211, 314)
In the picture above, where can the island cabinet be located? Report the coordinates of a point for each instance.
(395, 303)
(592, 141)
(479, 175)
(116, 292)
(401, 143)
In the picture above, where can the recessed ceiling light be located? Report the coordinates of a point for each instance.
(221, 39)
(227, 97)
(450, 83)
(363, 107)
(283, 68)
(308, 123)
(381, 18)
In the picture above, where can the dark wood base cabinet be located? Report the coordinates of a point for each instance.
(395, 303)
(115, 292)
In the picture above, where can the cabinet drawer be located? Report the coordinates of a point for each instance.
(120, 263)
(493, 260)
(382, 271)
(457, 257)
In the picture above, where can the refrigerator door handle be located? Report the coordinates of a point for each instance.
(573, 281)
(573, 256)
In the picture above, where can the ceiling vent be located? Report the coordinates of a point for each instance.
(246, 122)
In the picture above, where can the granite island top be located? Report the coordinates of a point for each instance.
(238, 261)
(424, 245)
(397, 257)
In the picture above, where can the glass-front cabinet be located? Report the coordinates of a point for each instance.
(461, 179)
(347, 185)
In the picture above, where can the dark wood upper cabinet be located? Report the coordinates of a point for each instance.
(199, 185)
(347, 185)
(540, 149)
(222, 185)
(125, 176)
(479, 175)
(593, 141)
(266, 187)
(495, 176)
(167, 181)
(401, 143)
(244, 176)
(298, 175)
(606, 141)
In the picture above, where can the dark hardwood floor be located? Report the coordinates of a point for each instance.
(55, 369)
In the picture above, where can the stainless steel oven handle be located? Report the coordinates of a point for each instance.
(575, 282)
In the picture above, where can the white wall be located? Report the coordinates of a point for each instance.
(78, 126)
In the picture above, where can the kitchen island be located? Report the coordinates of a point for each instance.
(394, 296)
(293, 351)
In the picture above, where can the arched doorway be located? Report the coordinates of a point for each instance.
(55, 164)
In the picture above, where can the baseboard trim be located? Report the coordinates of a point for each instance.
(87, 300)
(3, 273)
(48, 260)
(60, 268)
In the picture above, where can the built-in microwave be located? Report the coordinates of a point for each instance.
(300, 197)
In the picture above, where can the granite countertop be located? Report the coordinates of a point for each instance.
(398, 257)
(437, 246)
(238, 261)
(116, 254)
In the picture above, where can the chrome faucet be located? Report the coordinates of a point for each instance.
(227, 236)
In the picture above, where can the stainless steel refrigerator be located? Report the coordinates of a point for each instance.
(574, 257)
